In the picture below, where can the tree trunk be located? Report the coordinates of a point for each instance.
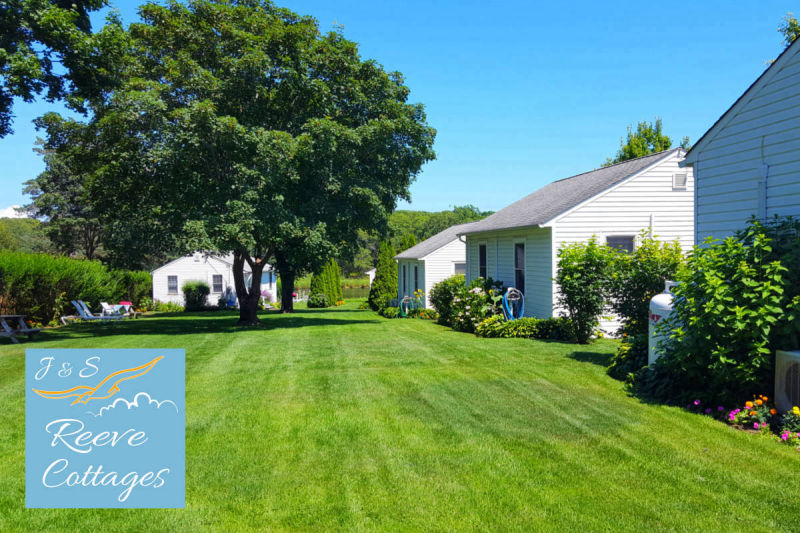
(287, 291)
(248, 296)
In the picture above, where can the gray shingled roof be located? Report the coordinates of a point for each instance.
(434, 243)
(560, 196)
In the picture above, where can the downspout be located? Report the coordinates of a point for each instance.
(762, 184)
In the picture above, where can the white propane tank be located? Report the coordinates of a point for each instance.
(660, 308)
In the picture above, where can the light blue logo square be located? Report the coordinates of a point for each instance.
(105, 428)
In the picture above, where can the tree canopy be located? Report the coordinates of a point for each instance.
(789, 28)
(237, 126)
(648, 138)
(59, 194)
(45, 47)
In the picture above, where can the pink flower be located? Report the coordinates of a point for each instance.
(697, 402)
(755, 425)
(785, 435)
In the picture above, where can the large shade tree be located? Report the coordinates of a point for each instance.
(59, 194)
(236, 126)
(46, 49)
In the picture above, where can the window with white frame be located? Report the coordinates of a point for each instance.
(216, 282)
(172, 284)
(460, 268)
(679, 181)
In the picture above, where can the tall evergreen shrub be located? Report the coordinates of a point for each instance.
(384, 286)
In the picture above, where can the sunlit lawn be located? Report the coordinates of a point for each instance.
(341, 420)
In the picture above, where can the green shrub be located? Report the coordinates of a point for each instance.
(327, 282)
(41, 286)
(582, 278)
(167, 307)
(476, 302)
(526, 327)
(133, 285)
(635, 278)
(390, 312)
(317, 300)
(443, 295)
(195, 295)
(555, 328)
(734, 307)
(384, 286)
(630, 357)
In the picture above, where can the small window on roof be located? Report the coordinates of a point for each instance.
(623, 243)
(679, 181)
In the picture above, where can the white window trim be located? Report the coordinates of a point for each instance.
(177, 284)
(685, 181)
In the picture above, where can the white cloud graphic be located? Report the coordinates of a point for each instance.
(130, 404)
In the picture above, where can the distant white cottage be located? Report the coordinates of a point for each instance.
(431, 261)
(215, 270)
(518, 245)
(748, 163)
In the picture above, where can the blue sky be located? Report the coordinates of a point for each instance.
(522, 93)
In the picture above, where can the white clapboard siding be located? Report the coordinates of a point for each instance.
(441, 264)
(434, 267)
(199, 267)
(638, 202)
(405, 277)
(632, 206)
(500, 264)
(762, 128)
(625, 209)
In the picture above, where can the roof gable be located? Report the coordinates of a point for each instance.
(431, 244)
(559, 197)
(743, 100)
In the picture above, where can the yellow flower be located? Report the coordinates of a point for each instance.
(752, 413)
(773, 412)
(748, 404)
(759, 402)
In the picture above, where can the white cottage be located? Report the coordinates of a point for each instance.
(748, 163)
(215, 270)
(431, 261)
(518, 245)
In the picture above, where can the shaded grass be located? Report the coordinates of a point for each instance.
(339, 420)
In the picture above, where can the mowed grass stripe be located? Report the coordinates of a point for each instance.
(341, 420)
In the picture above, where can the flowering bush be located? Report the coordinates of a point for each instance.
(476, 303)
(443, 295)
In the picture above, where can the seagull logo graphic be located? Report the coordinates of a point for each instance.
(103, 390)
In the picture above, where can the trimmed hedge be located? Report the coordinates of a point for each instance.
(527, 328)
(195, 295)
(41, 286)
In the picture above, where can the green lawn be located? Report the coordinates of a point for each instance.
(341, 420)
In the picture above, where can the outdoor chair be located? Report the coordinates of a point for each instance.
(85, 314)
(115, 310)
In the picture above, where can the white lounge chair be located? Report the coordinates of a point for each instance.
(113, 310)
(86, 314)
